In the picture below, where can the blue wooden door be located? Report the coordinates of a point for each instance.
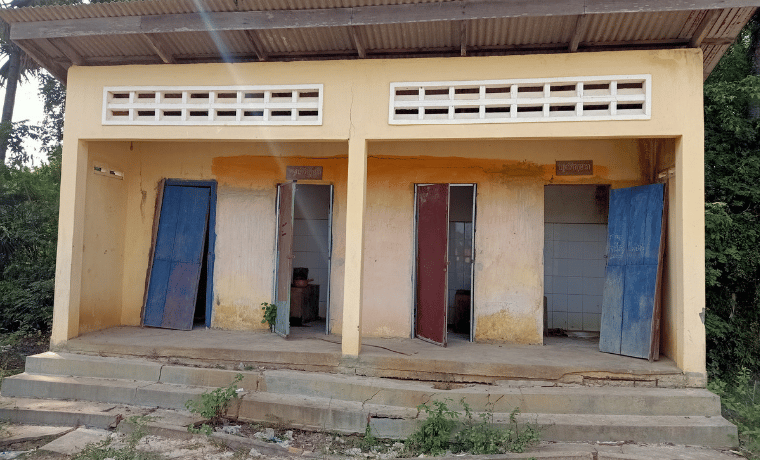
(177, 257)
(630, 306)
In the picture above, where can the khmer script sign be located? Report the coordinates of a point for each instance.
(575, 168)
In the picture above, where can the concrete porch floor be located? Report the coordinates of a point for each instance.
(558, 361)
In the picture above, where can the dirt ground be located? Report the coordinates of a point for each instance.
(14, 348)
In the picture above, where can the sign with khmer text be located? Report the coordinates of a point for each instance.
(303, 173)
(575, 168)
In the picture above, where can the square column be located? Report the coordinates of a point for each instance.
(356, 205)
(688, 256)
(68, 264)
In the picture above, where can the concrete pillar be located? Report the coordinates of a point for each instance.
(68, 265)
(355, 210)
(688, 255)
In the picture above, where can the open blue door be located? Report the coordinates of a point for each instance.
(631, 302)
(180, 240)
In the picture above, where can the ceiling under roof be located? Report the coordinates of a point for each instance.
(188, 31)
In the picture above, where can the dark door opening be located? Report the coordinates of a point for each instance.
(575, 248)
(179, 291)
(303, 271)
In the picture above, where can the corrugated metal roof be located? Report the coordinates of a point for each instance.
(654, 29)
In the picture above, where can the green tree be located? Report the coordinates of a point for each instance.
(16, 68)
(732, 212)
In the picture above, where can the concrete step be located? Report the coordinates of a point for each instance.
(131, 392)
(498, 398)
(64, 413)
(326, 413)
(528, 396)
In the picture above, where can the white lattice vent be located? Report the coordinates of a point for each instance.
(233, 105)
(618, 97)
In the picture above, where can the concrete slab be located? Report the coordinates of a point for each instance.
(74, 442)
(199, 376)
(689, 430)
(14, 434)
(562, 361)
(80, 388)
(64, 413)
(72, 364)
(561, 400)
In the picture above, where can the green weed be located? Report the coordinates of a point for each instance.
(105, 450)
(740, 402)
(270, 313)
(433, 435)
(213, 406)
(478, 435)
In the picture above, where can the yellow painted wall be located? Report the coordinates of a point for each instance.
(356, 95)
(510, 176)
(103, 249)
(246, 175)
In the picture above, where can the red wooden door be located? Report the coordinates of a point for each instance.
(432, 261)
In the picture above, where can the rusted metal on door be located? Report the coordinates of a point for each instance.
(284, 276)
(432, 261)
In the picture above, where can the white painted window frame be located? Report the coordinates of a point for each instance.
(513, 100)
(132, 105)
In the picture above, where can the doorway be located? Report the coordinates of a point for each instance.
(444, 239)
(179, 289)
(304, 246)
(575, 247)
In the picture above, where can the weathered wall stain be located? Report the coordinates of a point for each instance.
(522, 329)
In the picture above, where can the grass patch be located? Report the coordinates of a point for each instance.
(128, 451)
(441, 431)
(740, 404)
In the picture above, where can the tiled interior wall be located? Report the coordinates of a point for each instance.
(461, 232)
(460, 261)
(575, 244)
(574, 274)
(311, 236)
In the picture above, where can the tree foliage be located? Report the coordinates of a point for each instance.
(29, 219)
(732, 210)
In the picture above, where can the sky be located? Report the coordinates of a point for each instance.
(28, 107)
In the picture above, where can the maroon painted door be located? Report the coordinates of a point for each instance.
(286, 195)
(432, 261)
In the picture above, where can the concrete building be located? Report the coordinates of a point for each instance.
(443, 169)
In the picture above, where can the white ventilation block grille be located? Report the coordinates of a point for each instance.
(616, 97)
(206, 105)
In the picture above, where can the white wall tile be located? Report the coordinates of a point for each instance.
(575, 303)
(561, 232)
(575, 285)
(575, 250)
(591, 322)
(559, 320)
(592, 303)
(594, 268)
(577, 232)
(565, 267)
(559, 284)
(593, 286)
(548, 285)
(548, 232)
(562, 250)
(574, 321)
(559, 302)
